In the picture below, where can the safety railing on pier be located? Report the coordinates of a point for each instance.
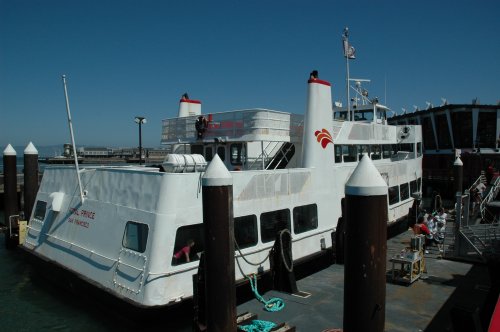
(486, 215)
(468, 239)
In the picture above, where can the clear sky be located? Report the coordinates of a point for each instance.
(124, 58)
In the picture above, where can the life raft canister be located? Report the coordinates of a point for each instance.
(201, 126)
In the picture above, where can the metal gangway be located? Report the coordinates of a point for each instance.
(470, 239)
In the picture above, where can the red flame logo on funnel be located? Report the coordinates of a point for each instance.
(323, 137)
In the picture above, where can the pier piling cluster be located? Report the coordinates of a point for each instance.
(11, 202)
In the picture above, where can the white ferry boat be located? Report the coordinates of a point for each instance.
(289, 171)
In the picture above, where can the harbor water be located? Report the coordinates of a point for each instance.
(32, 302)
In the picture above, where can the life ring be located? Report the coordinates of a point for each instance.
(201, 126)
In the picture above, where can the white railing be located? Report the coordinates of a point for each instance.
(492, 194)
(274, 125)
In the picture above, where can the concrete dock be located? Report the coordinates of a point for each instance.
(424, 305)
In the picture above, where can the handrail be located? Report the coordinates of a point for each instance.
(481, 178)
(491, 196)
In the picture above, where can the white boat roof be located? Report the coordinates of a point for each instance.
(257, 124)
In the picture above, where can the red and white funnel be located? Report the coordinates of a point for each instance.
(189, 107)
(317, 148)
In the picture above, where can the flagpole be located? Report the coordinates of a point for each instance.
(347, 86)
(346, 55)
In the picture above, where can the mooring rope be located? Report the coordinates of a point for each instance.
(258, 326)
(272, 305)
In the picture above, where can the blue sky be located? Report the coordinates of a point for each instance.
(126, 58)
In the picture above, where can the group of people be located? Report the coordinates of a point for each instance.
(433, 226)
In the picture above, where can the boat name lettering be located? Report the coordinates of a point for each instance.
(79, 222)
(83, 213)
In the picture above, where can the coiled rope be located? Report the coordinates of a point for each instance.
(258, 326)
(274, 304)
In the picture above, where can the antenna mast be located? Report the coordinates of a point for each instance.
(345, 38)
(72, 138)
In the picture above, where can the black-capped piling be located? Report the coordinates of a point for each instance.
(10, 189)
(30, 178)
(365, 249)
(218, 223)
(458, 175)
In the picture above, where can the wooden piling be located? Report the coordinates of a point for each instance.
(218, 223)
(30, 178)
(365, 249)
(10, 189)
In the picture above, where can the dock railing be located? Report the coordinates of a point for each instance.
(470, 241)
(486, 215)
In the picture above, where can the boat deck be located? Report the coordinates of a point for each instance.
(424, 305)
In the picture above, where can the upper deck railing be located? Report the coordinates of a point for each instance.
(248, 125)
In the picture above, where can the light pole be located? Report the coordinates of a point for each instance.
(140, 120)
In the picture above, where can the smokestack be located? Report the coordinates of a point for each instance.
(318, 125)
(189, 107)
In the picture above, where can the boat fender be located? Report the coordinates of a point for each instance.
(201, 126)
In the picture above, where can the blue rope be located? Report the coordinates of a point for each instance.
(258, 326)
(273, 305)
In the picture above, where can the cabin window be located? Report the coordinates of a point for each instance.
(245, 231)
(393, 195)
(413, 187)
(363, 149)
(237, 154)
(136, 236)
(338, 154)
(209, 154)
(419, 149)
(376, 155)
(408, 147)
(350, 153)
(272, 222)
(387, 151)
(395, 149)
(221, 151)
(40, 209)
(191, 236)
(305, 218)
(404, 191)
(197, 149)
(419, 184)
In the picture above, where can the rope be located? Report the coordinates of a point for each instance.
(289, 268)
(243, 256)
(258, 326)
(273, 305)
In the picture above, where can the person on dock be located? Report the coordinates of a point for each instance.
(421, 228)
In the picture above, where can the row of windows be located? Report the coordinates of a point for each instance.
(403, 191)
(237, 152)
(305, 218)
(351, 153)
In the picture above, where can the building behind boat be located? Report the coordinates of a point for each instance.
(471, 131)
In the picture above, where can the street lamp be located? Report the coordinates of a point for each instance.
(140, 120)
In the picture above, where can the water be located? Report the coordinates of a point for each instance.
(32, 302)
